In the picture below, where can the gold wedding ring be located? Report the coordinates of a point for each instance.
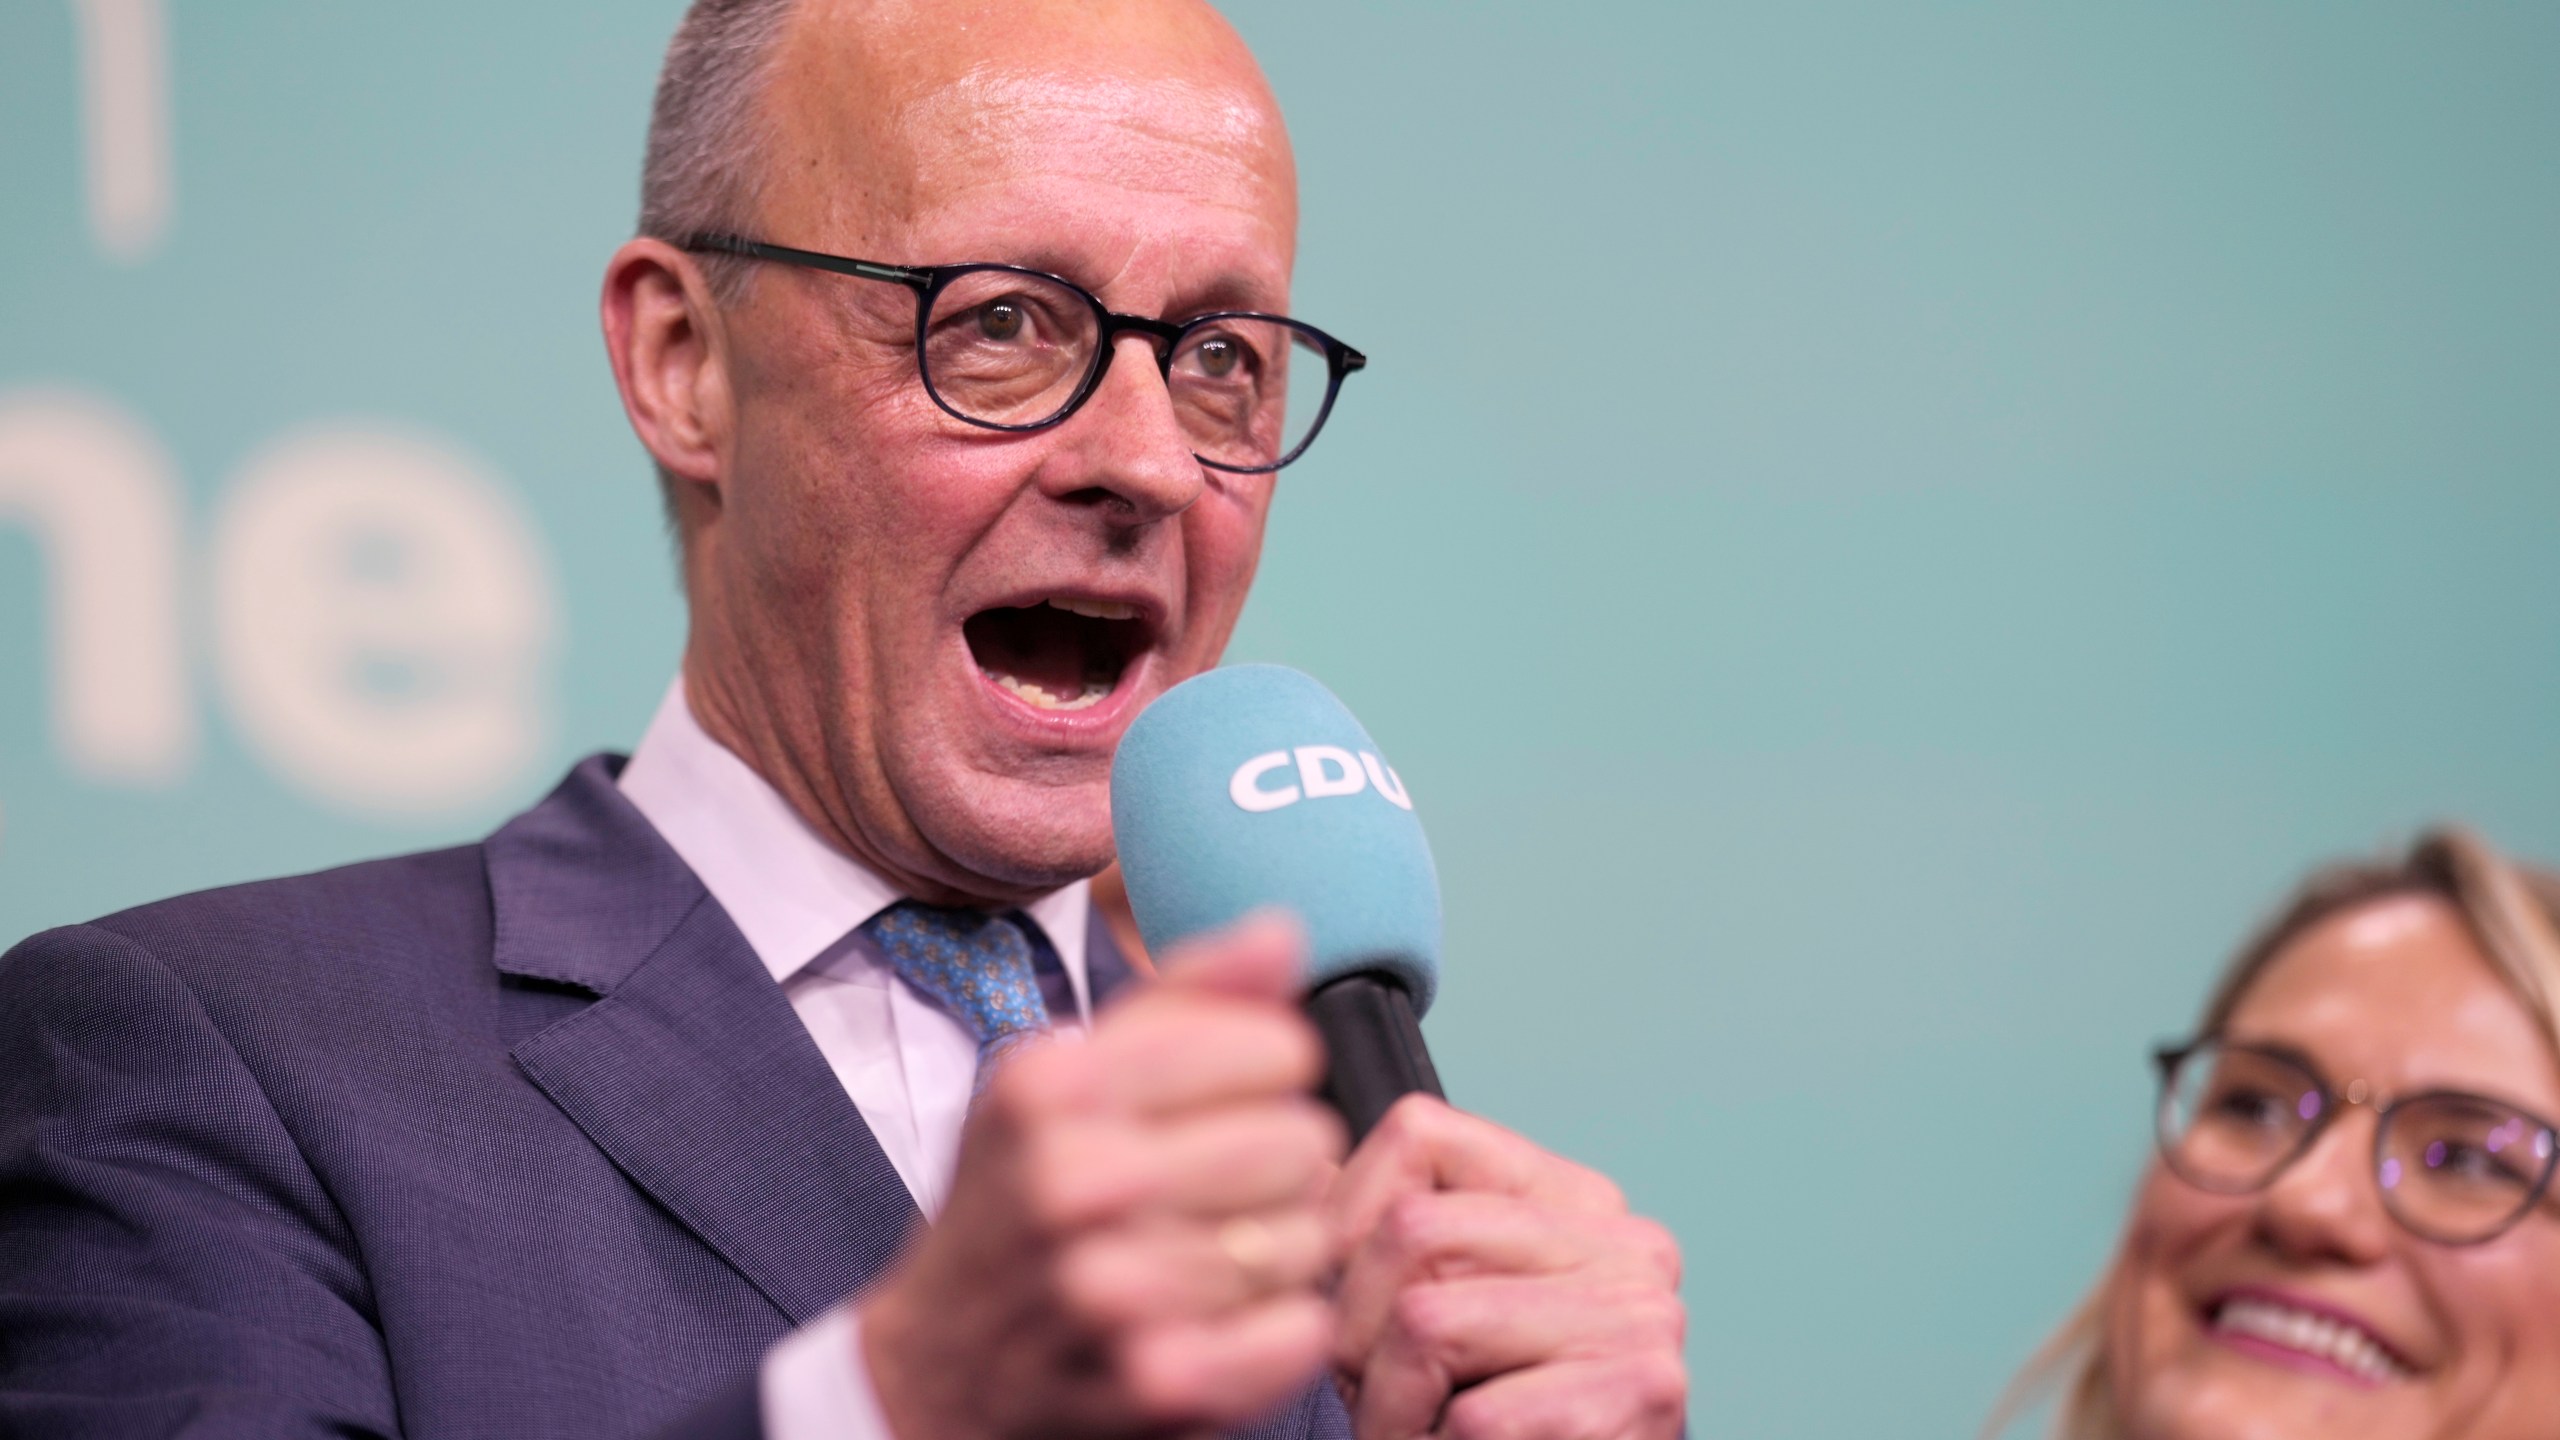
(1254, 1249)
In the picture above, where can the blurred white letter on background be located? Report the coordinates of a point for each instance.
(101, 497)
(124, 72)
(382, 615)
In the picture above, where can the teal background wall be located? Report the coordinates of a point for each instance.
(1878, 536)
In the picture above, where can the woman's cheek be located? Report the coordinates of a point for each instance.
(2501, 1304)
(2154, 1337)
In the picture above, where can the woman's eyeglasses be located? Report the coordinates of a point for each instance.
(2453, 1167)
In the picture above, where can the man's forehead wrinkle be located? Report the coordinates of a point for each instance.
(985, 101)
(1168, 134)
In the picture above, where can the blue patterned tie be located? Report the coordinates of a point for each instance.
(975, 965)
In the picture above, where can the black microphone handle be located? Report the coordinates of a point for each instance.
(1373, 1047)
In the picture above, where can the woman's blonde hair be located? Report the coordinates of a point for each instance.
(2512, 911)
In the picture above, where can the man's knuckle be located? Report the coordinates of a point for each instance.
(1307, 1131)
(1658, 1381)
(1411, 1227)
(1325, 1132)
(1407, 1121)
(1598, 1191)
(1476, 1415)
(1269, 1060)
(1661, 1314)
(1659, 1248)
(1302, 1049)
(1631, 1316)
(1424, 1316)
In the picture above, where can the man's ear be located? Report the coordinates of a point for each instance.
(670, 360)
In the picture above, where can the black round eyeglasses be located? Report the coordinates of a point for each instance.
(2453, 1167)
(1007, 348)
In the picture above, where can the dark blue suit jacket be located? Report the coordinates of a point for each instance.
(517, 1139)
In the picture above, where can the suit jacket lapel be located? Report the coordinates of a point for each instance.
(690, 1070)
(692, 1073)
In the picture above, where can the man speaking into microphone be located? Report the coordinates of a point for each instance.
(715, 1095)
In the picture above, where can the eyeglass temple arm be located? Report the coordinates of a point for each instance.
(785, 255)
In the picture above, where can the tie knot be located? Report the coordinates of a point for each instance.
(974, 964)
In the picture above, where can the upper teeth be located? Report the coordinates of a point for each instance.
(2342, 1345)
(1096, 609)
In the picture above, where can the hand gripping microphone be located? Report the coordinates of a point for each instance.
(1251, 786)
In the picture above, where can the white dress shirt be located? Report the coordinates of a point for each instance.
(907, 1064)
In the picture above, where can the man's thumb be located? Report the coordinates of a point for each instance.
(1263, 955)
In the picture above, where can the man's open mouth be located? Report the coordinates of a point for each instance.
(1065, 653)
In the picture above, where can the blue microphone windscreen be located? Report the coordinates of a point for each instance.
(1252, 785)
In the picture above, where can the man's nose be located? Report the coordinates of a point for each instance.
(2327, 1205)
(1125, 450)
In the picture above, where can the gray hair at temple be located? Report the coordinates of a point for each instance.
(705, 121)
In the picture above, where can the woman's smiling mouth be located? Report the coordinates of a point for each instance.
(2257, 1323)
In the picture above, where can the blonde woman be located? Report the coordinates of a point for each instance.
(2348, 1227)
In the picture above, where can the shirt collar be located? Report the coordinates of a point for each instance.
(790, 892)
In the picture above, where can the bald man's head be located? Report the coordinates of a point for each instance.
(856, 95)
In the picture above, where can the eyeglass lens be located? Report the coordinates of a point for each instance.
(1013, 349)
(2451, 1167)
